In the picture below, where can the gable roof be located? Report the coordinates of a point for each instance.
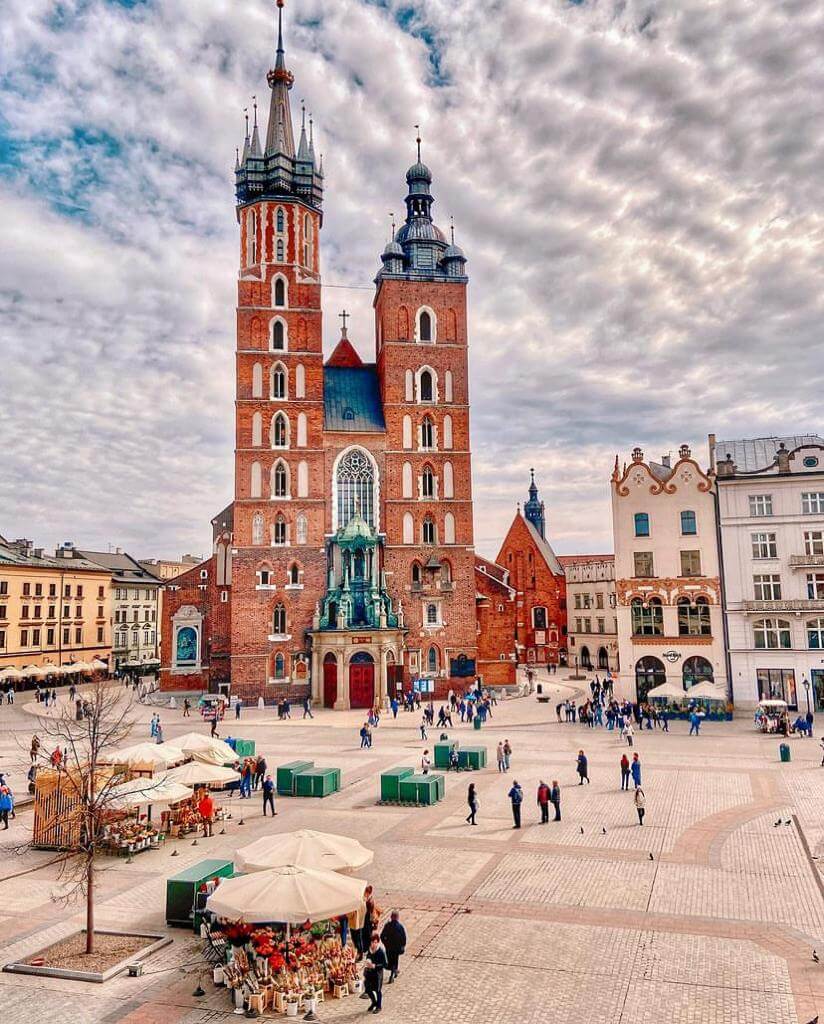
(122, 566)
(545, 550)
(352, 399)
(344, 354)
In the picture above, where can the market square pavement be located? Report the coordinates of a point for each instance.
(708, 914)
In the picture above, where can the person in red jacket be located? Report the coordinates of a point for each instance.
(206, 809)
(543, 801)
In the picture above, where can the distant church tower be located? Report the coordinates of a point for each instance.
(534, 511)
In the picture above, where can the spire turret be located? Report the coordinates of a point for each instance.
(279, 135)
(534, 508)
(255, 149)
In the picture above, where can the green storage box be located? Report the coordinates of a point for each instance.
(442, 751)
(182, 889)
(316, 781)
(422, 789)
(784, 751)
(476, 722)
(472, 757)
(286, 772)
(390, 783)
(245, 748)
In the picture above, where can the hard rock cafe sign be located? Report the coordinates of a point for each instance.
(671, 656)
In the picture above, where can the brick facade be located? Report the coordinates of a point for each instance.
(497, 616)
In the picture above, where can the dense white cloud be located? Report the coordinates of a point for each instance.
(637, 186)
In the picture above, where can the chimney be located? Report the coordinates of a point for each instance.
(711, 441)
(118, 551)
(666, 461)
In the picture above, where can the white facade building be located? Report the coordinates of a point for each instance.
(771, 513)
(667, 584)
(592, 623)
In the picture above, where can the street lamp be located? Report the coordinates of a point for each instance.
(805, 682)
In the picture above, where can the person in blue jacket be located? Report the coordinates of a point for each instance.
(6, 805)
(635, 768)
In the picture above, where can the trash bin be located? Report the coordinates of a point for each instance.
(539, 688)
(476, 722)
(784, 750)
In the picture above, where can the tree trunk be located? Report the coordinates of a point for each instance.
(90, 903)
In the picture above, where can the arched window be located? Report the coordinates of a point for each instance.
(257, 430)
(772, 634)
(647, 620)
(448, 481)
(426, 387)
(428, 483)
(301, 430)
(280, 430)
(356, 484)
(280, 221)
(408, 528)
(447, 431)
(815, 634)
(446, 572)
(416, 573)
(697, 670)
(432, 614)
(257, 528)
(255, 482)
(300, 381)
(689, 524)
(294, 574)
(279, 381)
(280, 251)
(279, 620)
(428, 530)
(642, 524)
(252, 238)
(280, 666)
(426, 326)
(649, 672)
(307, 240)
(427, 433)
(406, 480)
(409, 386)
(280, 480)
(694, 619)
(278, 336)
(432, 660)
(449, 528)
(447, 386)
(280, 532)
(303, 479)
(407, 432)
(257, 381)
(279, 293)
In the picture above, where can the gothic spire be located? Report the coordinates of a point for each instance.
(534, 511)
(303, 145)
(279, 135)
(255, 149)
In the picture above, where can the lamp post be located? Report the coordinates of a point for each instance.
(805, 682)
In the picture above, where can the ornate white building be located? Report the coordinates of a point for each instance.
(591, 615)
(771, 514)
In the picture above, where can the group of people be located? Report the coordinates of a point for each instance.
(252, 775)
(156, 728)
(379, 951)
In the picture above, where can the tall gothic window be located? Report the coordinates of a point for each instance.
(280, 431)
(279, 530)
(428, 482)
(428, 531)
(279, 381)
(279, 620)
(426, 389)
(280, 292)
(280, 221)
(278, 336)
(427, 433)
(280, 251)
(280, 481)
(355, 483)
(257, 528)
(425, 326)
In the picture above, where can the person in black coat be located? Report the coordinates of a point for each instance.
(393, 937)
(373, 973)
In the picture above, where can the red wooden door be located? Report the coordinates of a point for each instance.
(361, 685)
(330, 683)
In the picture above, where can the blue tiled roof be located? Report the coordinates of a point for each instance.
(352, 399)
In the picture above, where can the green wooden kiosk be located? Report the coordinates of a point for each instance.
(316, 781)
(182, 889)
(472, 757)
(442, 752)
(286, 773)
(422, 789)
(390, 783)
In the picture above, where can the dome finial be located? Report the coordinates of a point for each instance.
(452, 228)
(418, 140)
(280, 62)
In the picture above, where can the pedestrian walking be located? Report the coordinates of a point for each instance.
(159, 731)
(187, 707)
(364, 735)
(6, 805)
(516, 798)
(582, 768)
(307, 707)
(695, 723)
(635, 769)
(426, 763)
(238, 707)
(393, 704)
(507, 755)
(555, 799)
(640, 804)
(543, 801)
(625, 772)
(628, 733)
(472, 801)
(206, 810)
(35, 747)
(269, 795)
(260, 772)
(499, 753)
(423, 727)
(373, 974)
(393, 937)
(213, 731)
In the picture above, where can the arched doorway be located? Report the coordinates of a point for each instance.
(330, 680)
(649, 672)
(697, 670)
(586, 661)
(603, 658)
(362, 680)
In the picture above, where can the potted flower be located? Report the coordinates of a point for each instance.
(292, 1004)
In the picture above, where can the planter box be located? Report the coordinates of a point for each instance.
(286, 773)
(390, 783)
(154, 941)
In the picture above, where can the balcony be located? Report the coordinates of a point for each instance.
(806, 561)
(794, 605)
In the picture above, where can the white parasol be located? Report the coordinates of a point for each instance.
(158, 755)
(305, 848)
(146, 791)
(197, 773)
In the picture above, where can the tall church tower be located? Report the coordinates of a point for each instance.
(420, 322)
(279, 495)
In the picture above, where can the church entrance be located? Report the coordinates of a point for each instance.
(330, 680)
(362, 681)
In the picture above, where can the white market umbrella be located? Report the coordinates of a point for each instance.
(33, 672)
(196, 744)
(197, 773)
(70, 669)
(146, 791)
(11, 673)
(287, 895)
(98, 664)
(707, 691)
(158, 755)
(666, 691)
(305, 848)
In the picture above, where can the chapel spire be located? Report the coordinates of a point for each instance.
(279, 134)
(534, 511)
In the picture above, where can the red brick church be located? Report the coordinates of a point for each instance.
(345, 564)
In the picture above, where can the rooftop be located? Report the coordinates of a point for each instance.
(750, 455)
(352, 399)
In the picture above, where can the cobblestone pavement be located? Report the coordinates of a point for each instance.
(708, 914)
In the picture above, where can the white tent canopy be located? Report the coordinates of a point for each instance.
(288, 895)
(667, 691)
(707, 691)
(198, 773)
(205, 748)
(305, 848)
(158, 755)
(147, 791)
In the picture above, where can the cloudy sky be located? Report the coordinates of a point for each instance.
(638, 186)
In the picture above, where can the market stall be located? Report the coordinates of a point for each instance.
(263, 958)
(305, 848)
(205, 748)
(126, 830)
(143, 758)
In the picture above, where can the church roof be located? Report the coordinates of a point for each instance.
(344, 354)
(545, 549)
(352, 399)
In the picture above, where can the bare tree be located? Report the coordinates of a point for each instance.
(86, 733)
